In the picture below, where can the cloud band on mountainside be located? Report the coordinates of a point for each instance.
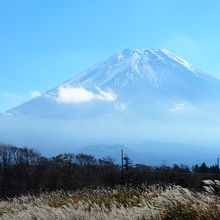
(70, 95)
(35, 94)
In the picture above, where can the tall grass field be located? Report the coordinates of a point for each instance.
(155, 202)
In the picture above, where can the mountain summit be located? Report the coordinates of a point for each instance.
(140, 79)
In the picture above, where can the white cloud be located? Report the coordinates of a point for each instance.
(178, 107)
(70, 95)
(35, 94)
(121, 106)
(106, 96)
(185, 108)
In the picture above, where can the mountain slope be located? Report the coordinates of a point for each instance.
(133, 80)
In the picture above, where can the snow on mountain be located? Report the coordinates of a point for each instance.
(130, 79)
(154, 68)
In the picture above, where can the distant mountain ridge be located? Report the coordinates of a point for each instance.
(152, 153)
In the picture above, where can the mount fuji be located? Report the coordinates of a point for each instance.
(133, 96)
(131, 80)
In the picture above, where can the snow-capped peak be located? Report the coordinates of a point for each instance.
(136, 69)
(179, 60)
(154, 54)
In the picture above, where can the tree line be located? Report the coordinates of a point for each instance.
(24, 170)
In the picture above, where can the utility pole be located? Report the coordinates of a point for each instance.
(218, 168)
(122, 163)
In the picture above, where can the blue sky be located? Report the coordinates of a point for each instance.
(46, 42)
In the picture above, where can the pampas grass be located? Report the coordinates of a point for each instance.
(144, 202)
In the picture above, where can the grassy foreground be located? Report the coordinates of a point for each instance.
(142, 203)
